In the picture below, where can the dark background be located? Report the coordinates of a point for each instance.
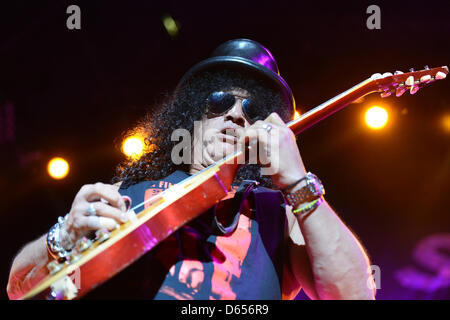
(74, 92)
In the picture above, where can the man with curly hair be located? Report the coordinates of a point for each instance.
(269, 237)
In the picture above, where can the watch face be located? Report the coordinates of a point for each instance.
(315, 185)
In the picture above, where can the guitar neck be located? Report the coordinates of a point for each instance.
(386, 84)
(331, 106)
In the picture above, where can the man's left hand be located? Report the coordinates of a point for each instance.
(277, 150)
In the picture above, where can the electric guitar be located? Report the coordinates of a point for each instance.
(94, 261)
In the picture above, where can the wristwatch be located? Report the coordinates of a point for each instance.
(312, 192)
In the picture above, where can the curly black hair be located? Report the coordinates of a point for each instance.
(180, 110)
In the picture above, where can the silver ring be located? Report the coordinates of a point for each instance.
(91, 210)
(267, 127)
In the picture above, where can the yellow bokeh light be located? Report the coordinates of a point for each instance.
(171, 25)
(376, 117)
(446, 122)
(58, 168)
(133, 147)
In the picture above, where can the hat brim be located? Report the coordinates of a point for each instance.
(241, 65)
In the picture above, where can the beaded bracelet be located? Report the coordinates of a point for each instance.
(310, 206)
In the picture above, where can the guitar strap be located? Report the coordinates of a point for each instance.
(242, 193)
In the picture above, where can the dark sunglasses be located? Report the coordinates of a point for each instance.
(220, 102)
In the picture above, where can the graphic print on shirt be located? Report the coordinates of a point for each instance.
(235, 248)
(156, 188)
(199, 262)
(227, 255)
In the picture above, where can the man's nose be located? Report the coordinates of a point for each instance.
(236, 115)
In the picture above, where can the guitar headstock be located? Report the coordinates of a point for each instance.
(399, 82)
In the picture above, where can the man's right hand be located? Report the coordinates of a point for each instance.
(110, 211)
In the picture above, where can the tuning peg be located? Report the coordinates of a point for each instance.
(398, 72)
(410, 81)
(440, 75)
(376, 76)
(425, 78)
(399, 92)
(387, 74)
(413, 89)
(385, 94)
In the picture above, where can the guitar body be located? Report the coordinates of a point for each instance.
(165, 213)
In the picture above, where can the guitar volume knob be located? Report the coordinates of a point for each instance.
(102, 235)
(74, 257)
(83, 244)
(54, 266)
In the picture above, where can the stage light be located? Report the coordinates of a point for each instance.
(171, 25)
(133, 147)
(446, 122)
(296, 115)
(376, 117)
(58, 168)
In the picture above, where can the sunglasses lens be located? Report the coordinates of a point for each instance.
(220, 102)
(251, 110)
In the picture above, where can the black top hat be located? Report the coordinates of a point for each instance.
(246, 55)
